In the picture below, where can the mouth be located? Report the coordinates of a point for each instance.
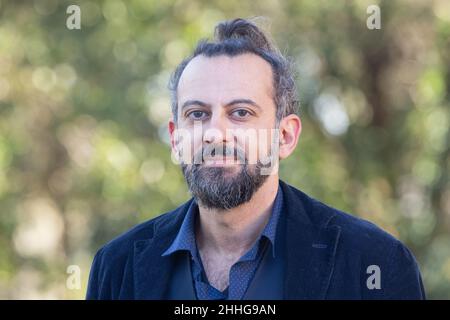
(221, 161)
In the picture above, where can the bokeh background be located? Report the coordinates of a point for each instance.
(84, 151)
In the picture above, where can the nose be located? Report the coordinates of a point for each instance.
(215, 129)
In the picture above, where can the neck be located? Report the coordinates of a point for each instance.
(234, 231)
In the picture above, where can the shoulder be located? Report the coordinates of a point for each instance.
(357, 236)
(355, 231)
(112, 264)
(363, 245)
(123, 245)
(359, 233)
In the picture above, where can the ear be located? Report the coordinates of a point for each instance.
(172, 126)
(290, 129)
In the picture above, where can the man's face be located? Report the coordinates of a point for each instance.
(226, 107)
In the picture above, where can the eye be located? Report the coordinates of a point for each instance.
(241, 113)
(197, 115)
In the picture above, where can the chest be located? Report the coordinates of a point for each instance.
(217, 269)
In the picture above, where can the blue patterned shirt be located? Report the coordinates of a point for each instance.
(242, 272)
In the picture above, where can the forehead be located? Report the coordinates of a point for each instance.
(222, 77)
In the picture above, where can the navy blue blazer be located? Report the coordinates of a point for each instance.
(329, 255)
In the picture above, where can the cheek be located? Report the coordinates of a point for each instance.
(186, 143)
(267, 141)
(197, 145)
(258, 145)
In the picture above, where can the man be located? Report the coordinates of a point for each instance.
(245, 234)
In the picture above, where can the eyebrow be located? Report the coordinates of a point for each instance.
(232, 102)
(194, 103)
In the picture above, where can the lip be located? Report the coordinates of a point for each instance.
(222, 162)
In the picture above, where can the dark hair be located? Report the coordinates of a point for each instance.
(236, 37)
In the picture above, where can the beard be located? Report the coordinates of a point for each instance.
(226, 187)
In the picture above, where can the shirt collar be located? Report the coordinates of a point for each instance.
(185, 239)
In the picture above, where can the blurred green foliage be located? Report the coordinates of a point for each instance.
(84, 151)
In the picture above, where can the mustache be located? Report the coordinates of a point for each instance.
(218, 151)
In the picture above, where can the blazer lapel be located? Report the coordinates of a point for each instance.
(151, 270)
(310, 249)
